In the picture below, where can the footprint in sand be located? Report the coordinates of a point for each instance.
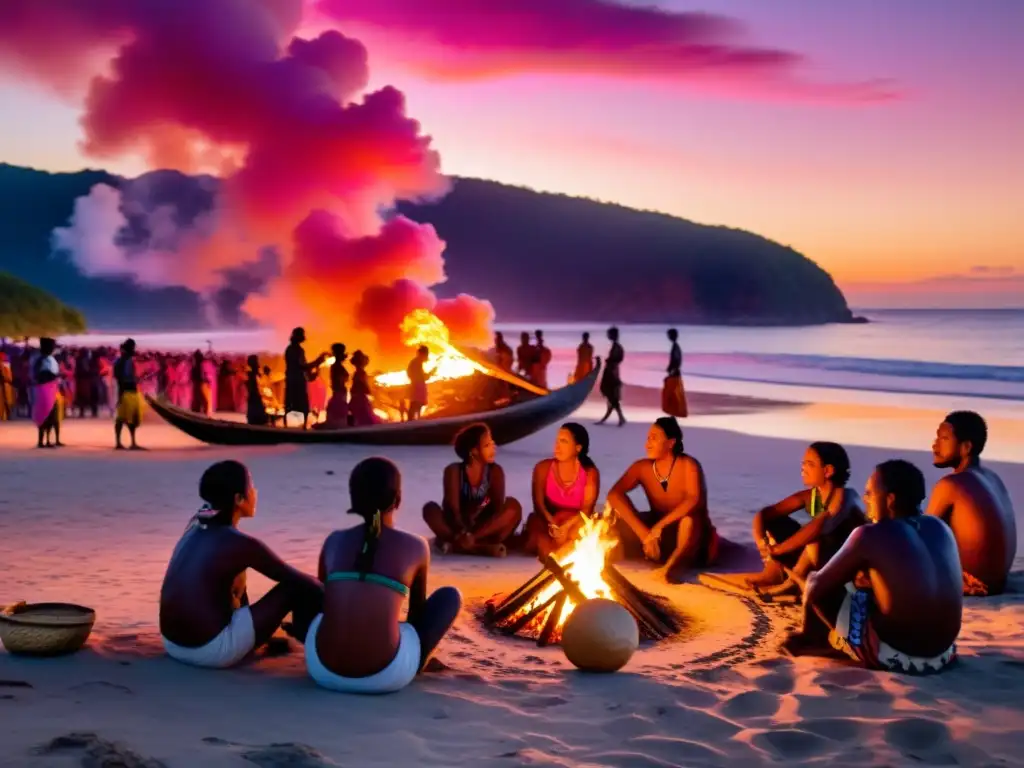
(791, 743)
(750, 704)
(917, 734)
(100, 685)
(284, 755)
(543, 702)
(835, 728)
(98, 751)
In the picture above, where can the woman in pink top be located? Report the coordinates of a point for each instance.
(565, 489)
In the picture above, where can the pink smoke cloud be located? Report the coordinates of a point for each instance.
(308, 161)
(475, 39)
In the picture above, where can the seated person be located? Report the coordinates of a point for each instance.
(974, 503)
(565, 490)
(474, 517)
(834, 511)
(205, 615)
(677, 530)
(358, 644)
(890, 597)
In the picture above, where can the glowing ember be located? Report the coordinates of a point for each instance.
(584, 565)
(421, 327)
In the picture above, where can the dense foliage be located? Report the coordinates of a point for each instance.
(29, 311)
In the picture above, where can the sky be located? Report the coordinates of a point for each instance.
(883, 140)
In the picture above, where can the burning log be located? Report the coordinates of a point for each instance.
(552, 622)
(570, 576)
(638, 603)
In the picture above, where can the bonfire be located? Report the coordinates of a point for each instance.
(576, 572)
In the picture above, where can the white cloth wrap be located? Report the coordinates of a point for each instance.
(233, 644)
(394, 677)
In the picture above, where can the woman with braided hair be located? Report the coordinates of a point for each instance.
(358, 644)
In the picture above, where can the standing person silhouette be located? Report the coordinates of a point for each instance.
(611, 380)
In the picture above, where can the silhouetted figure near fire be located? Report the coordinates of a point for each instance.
(541, 360)
(503, 355)
(417, 383)
(360, 404)
(524, 356)
(296, 377)
(611, 379)
(200, 386)
(584, 358)
(474, 517)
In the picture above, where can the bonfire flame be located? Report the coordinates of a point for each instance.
(584, 565)
(422, 327)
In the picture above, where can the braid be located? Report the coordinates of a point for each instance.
(371, 538)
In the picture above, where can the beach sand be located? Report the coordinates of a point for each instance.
(87, 525)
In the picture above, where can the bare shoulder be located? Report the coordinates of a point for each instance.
(542, 465)
(452, 468)
(496, 471)
(689, 462)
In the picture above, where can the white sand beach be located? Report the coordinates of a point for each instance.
(86, 525)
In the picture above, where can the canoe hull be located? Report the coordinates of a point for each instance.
(507, 424)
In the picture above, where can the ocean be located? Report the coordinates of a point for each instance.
(917, 362)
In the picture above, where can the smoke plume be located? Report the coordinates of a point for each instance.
(306, 163)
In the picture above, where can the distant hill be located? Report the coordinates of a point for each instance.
(536, 256)
(29, 311)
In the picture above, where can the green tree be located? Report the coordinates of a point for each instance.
(29, 311)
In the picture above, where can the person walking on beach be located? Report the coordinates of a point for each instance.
(611, 380)
(974, 503)
(128, 411)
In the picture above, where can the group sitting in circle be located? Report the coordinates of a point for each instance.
(883, 585)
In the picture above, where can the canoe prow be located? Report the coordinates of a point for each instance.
(507, 424)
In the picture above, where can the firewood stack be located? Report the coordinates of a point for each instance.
(509, 616)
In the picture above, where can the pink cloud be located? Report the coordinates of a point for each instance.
(479, 39)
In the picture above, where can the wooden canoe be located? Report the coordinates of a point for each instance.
(507, 424)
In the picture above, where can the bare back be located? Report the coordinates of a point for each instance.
(205, 584)
(359, 633)
(977, 506)
(914, 570)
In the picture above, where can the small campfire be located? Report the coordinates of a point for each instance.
(577, 572)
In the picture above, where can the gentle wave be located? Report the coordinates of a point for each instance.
(881, 367)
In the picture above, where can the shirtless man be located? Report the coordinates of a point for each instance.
(974, 503)
(890, 598)
(677, 531)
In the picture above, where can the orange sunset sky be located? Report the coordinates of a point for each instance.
(892, 152)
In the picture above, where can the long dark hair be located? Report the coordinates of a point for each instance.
(375, 486)
(582, 438)
(220, 484)
(670, 427)
(835, 456)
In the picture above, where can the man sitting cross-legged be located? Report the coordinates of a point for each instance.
(974, 503)
(890, 598)
(677, 531)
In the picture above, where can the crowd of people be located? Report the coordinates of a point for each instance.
(882, 578)
(49, 384)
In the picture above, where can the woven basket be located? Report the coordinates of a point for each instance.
(45, 629)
